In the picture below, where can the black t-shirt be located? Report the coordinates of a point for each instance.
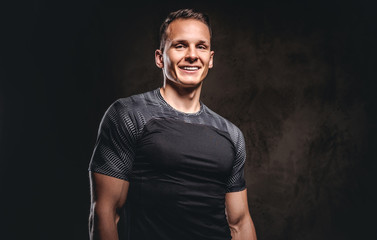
(179, 165)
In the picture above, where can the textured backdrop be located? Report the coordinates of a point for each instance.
(297, 78)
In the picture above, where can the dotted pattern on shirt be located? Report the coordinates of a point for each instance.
(123, 123)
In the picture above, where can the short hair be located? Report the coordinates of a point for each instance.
(182, 14)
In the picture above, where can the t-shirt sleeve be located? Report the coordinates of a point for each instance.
(114, 152)
(236, 181)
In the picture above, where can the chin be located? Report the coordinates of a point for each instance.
(192, 81)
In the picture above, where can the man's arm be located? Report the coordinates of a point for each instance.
(240, 223)
(108, 195)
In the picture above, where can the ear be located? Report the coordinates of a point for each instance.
(210, 65)
(158, 58)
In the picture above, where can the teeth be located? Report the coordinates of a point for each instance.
(191, 68)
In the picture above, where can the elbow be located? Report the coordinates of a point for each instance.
(240, 224)
(242, 228)
(236, 224)
(235, 227)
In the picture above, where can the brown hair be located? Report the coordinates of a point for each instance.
(182, 14)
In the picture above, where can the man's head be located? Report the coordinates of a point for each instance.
(182, 14)
(185, 49)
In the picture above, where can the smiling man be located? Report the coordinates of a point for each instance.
(164, 164)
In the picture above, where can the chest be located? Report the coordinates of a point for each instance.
(168, 146)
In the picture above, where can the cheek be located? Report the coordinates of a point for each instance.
(206, 59)
(167, 64)
(169, 68)
(169, 61)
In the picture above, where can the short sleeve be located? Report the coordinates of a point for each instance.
(114, 152)
(236, 181)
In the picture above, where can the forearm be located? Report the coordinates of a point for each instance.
(244, 230)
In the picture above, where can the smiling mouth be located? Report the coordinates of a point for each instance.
(187, 68)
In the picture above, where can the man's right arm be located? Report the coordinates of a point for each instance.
(108, 195)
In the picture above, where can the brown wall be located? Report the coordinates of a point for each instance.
(297, 79)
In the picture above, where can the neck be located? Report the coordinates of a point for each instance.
(183, 99)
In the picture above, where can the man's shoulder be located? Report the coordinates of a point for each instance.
(223, 123)
(135, 109)
(228, 127)
(134, 102)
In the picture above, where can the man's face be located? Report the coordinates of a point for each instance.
(187, 54)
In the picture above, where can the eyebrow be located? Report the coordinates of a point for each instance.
(185, 41)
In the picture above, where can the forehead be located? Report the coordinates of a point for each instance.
(188, 29)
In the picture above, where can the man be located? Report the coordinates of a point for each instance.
(174, 163)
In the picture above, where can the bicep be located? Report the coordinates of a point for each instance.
(108, 192)
(236, 206)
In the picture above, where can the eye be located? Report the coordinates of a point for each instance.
(201, 46)
(179, 45)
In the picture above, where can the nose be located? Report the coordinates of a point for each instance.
(191, 55)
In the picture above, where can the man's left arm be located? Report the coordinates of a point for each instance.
(240, 223)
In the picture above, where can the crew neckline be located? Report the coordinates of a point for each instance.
(161, 98)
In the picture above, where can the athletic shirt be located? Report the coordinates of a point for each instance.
(179, 165)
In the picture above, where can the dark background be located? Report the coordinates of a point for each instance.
(298, 78)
